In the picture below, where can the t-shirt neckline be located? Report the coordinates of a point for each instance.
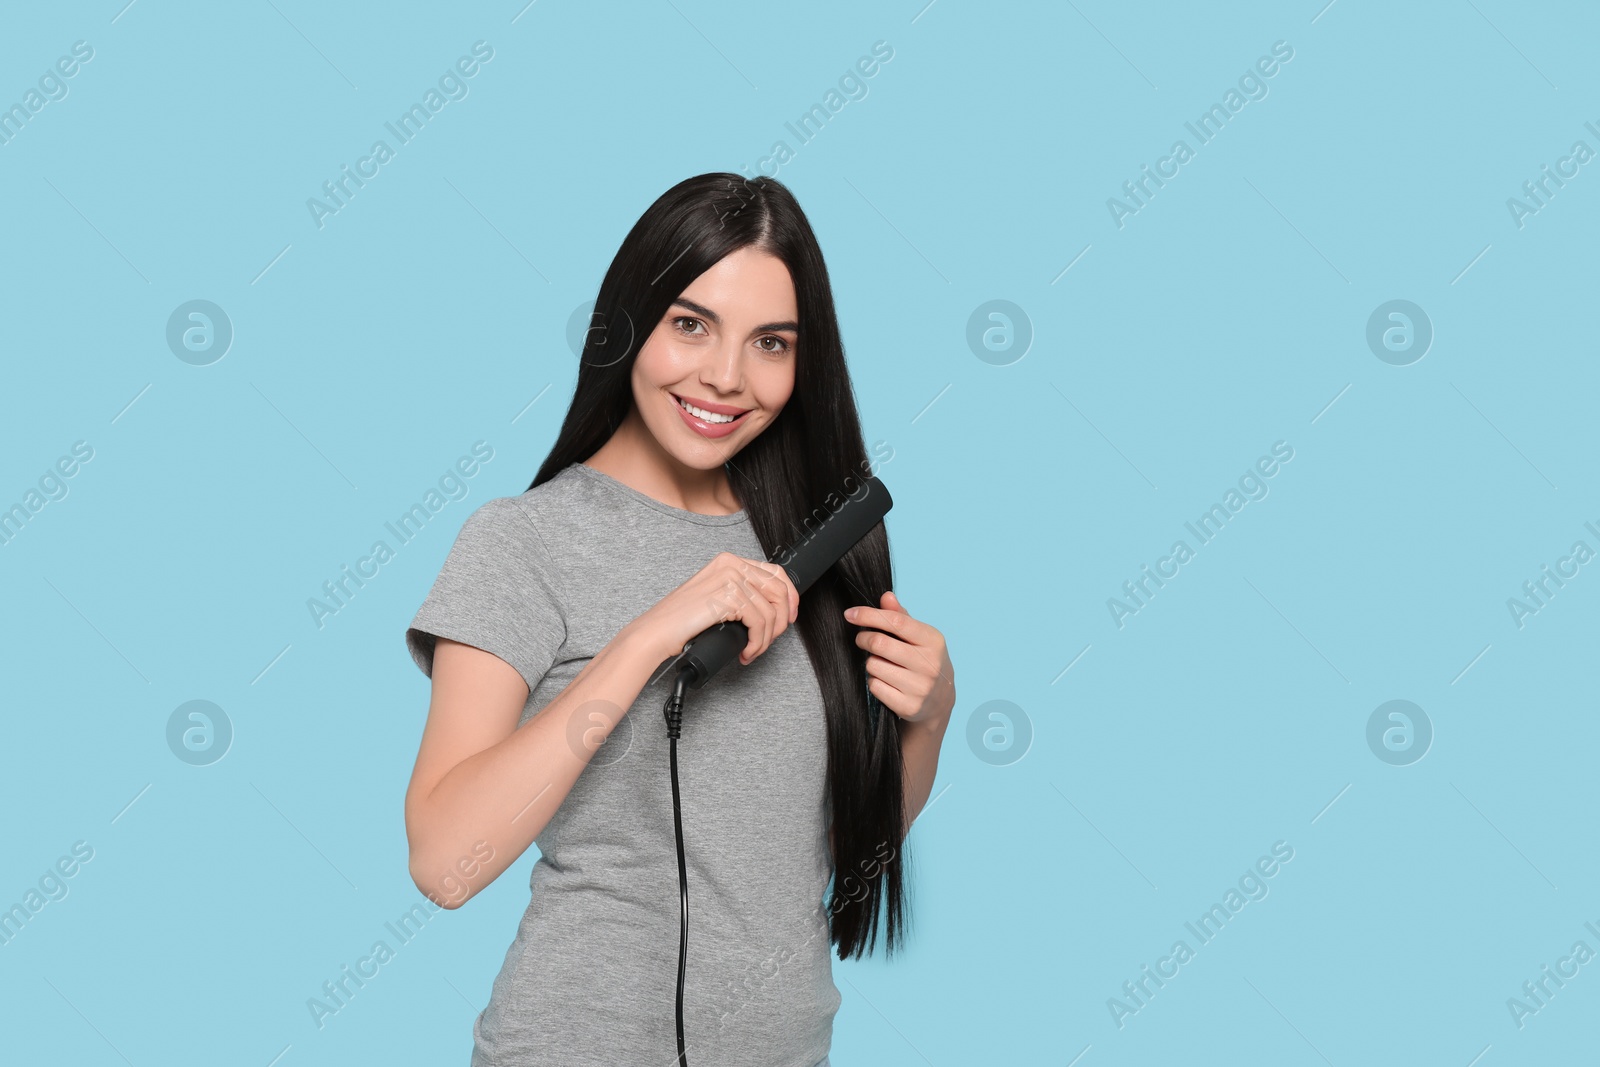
(602, 478)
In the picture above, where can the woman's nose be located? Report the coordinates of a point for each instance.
(723, 369)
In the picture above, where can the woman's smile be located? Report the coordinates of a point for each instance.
(709, 419)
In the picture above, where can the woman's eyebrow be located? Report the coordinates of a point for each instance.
(770, 327)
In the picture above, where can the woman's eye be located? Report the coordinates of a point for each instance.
(779, 345)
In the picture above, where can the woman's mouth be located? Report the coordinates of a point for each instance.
(708, 422)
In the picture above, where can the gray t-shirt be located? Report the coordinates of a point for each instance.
(544, 580)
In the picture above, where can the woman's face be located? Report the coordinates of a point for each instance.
(727, 347)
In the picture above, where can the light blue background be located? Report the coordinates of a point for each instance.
(1229, 313)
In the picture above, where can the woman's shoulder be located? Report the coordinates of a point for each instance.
(556, 510)
(564, 500)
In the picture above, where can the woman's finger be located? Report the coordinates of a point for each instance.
(921, 659)
(902, 705)
(910, 682)
(780, 591)
(774, 602)
(898, 623)
(755, 614)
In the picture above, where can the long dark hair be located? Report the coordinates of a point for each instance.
(812, 453)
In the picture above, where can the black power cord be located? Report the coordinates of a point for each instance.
(673, 712)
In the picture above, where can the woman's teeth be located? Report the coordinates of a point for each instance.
(701, 413)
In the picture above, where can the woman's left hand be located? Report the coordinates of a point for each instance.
(908, 668)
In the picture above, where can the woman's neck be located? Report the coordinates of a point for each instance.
(636, 459)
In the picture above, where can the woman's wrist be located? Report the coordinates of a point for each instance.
(933, 725)
(639, 639)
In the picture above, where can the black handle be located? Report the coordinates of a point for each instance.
(713, 649)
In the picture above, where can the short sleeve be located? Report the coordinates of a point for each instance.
(495, 591)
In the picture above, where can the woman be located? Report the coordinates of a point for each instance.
(712, 425)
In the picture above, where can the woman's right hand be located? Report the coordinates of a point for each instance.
(756, 593)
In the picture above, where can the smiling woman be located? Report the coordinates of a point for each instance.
(725, 424)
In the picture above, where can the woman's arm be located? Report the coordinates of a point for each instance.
(919, 752)
(483, 788)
